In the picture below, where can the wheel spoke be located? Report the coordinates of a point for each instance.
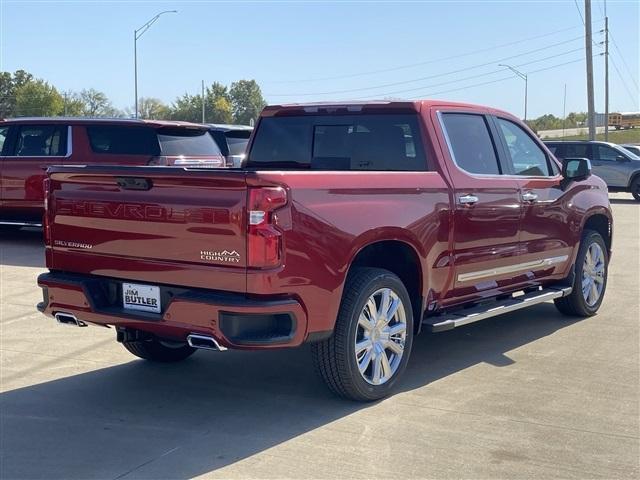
(393, 309)
(395, 347)
(587, 259)
(386, 367)
(384, 303)
(363, 345)
(376, 375)
(366, 360)
(371, 308)
(586, 286)
(593, 294)
(364, 322)
(396, 329)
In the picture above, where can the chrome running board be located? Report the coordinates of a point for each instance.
(21, 224)
(464, 316)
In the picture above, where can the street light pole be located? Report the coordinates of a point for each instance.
(526, 84)
(136, 35)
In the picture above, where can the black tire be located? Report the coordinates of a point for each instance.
(159, 351)
(635, 189)
(335, 358)
(575, 304)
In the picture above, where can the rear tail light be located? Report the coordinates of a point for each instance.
(46, 222)
(264, 240)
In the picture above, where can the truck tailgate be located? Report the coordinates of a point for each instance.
(159, 225)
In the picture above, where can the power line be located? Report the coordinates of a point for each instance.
(510, 77)
(511, 57)
(624, 84)
(426, 62)
(623, 60)
(475, 76)
(579, 11)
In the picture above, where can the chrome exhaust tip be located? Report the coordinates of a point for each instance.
(204, 342)
(69, 319)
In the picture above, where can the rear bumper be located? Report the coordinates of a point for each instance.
(234, 320)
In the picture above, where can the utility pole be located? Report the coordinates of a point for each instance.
(591, 116)
(606, 74)
(564, 110)
(202, 101)
(65, 104)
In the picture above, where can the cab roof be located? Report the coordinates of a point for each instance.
(371, 105)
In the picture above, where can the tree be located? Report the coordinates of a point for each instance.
(38, 98)
(187, 108)
(73, 106)
(96, 104)
(8, 85)
(153, 109)
(218, 107)
(246, 101)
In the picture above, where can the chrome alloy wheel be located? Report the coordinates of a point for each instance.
(593, 272)
(380, 336)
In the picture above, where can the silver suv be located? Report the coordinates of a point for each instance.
(615, 165)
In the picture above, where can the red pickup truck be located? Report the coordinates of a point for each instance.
(352, 227)
(29, 145)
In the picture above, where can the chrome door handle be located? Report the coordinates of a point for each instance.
(468, 199)
(529, 196)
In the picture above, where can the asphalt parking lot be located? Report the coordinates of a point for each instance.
(526, 395)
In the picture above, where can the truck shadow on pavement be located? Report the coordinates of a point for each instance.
(144, 420)
(22, 248)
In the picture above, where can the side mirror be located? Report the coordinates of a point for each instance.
(621, 158)
(576, 169)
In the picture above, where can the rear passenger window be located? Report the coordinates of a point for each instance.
(41, 141)
(527, 158)
(576, 150)
(346, 142)
(123, 140)
(471, 144)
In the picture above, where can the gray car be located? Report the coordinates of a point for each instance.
(635, 149)
(617, 166)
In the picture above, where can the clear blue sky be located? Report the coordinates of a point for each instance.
(298, 48)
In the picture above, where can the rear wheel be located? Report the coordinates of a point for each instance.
(158, 350)
(590, 282)
(635, 189)
(372, 339)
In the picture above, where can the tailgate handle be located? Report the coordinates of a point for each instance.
(134, 183)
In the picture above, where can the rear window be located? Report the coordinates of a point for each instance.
(237, 141)
(123, 140)
(188, 142)
(339, 142)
